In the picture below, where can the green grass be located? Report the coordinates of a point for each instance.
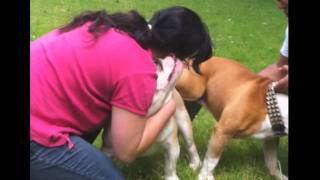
(250, 31)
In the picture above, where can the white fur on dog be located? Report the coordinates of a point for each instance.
(265, 130)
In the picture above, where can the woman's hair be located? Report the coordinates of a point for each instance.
(132, 23)
(176, 30)
(180, 30)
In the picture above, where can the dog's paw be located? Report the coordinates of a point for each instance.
(195, 165)
(279, 176)
(173, 177)
(195, 162)
(205, 176)
(284, 177)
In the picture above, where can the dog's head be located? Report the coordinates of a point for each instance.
(169, 70)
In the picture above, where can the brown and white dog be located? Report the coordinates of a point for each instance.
(237, 99)
(168, 71)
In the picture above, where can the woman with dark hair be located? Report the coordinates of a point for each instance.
(98, 72)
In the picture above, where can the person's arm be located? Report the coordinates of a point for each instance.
(278, 72)
(275, 71)
(282, 61)
(132, 134)
(282, 85)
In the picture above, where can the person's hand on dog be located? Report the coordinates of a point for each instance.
(279, 74)
(282, 85)
(275, 72)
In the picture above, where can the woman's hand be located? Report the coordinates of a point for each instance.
(278, 72)
(282, 85)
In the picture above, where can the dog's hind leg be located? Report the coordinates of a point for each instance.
(172, 154)
(270, 157)
(185, 127)
(218, 141)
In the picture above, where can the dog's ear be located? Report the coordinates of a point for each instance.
(188, 64)
(199, 58)
(204, 53)
(158, 63)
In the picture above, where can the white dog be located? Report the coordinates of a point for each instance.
(168, 71)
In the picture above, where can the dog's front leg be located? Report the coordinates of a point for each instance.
(172, 154)
(271, 159)
(218, 141)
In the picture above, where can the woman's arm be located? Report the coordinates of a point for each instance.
(132, 134)
(275, 71)
(278, 72)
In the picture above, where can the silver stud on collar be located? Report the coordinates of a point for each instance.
(274, 111)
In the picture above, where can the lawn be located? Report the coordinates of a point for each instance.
(250, 31)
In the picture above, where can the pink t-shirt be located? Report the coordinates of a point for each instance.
(74, 82)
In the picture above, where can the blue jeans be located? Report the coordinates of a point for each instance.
(82, 162)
